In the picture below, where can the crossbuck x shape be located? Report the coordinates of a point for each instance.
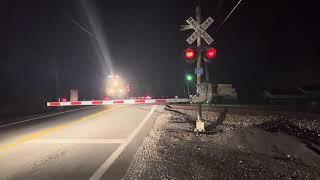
(200, 30)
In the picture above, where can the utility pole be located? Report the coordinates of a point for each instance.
(199, 123)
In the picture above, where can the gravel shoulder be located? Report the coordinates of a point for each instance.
(236, 146)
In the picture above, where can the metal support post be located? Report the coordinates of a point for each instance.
(188, 89)
(199, 122)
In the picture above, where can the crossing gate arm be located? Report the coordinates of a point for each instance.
(119, 101)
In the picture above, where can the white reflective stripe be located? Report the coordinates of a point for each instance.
(150, 101)
(177, 100)
(108, 102)
(65, 103)
(129, 101)
(86, 102)
(171, 100)
(184, 100)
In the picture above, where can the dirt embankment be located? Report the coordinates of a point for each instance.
(236, 146)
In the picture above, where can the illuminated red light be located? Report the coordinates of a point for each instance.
(211, 53)
(189, 53)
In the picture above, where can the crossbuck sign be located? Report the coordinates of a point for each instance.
(200, 30)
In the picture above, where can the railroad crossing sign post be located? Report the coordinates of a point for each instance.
(198, 34)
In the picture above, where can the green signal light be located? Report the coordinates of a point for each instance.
(189, 77)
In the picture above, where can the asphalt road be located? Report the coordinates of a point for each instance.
(92, 143)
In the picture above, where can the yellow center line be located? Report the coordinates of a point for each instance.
(52, 130)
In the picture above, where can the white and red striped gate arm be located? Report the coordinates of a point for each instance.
(120, 101)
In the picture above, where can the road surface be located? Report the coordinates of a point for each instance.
(92, 143)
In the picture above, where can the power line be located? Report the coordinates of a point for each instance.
(88, 32)
(228, 16)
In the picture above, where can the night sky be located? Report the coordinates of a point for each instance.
(264, 44)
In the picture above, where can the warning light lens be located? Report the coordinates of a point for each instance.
(189, 77)
(211, 53)
(189, 53)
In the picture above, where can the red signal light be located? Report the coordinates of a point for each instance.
(189, 53)
(211, 53)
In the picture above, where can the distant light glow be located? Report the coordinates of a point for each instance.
(116, 87)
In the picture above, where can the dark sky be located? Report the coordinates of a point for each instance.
(264, 44)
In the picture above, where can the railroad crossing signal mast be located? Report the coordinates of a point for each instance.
(204, 90)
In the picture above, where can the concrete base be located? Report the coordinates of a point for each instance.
(199, 126)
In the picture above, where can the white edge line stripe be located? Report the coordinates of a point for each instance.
(49, 115)
(105, 166)
(78, 141)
